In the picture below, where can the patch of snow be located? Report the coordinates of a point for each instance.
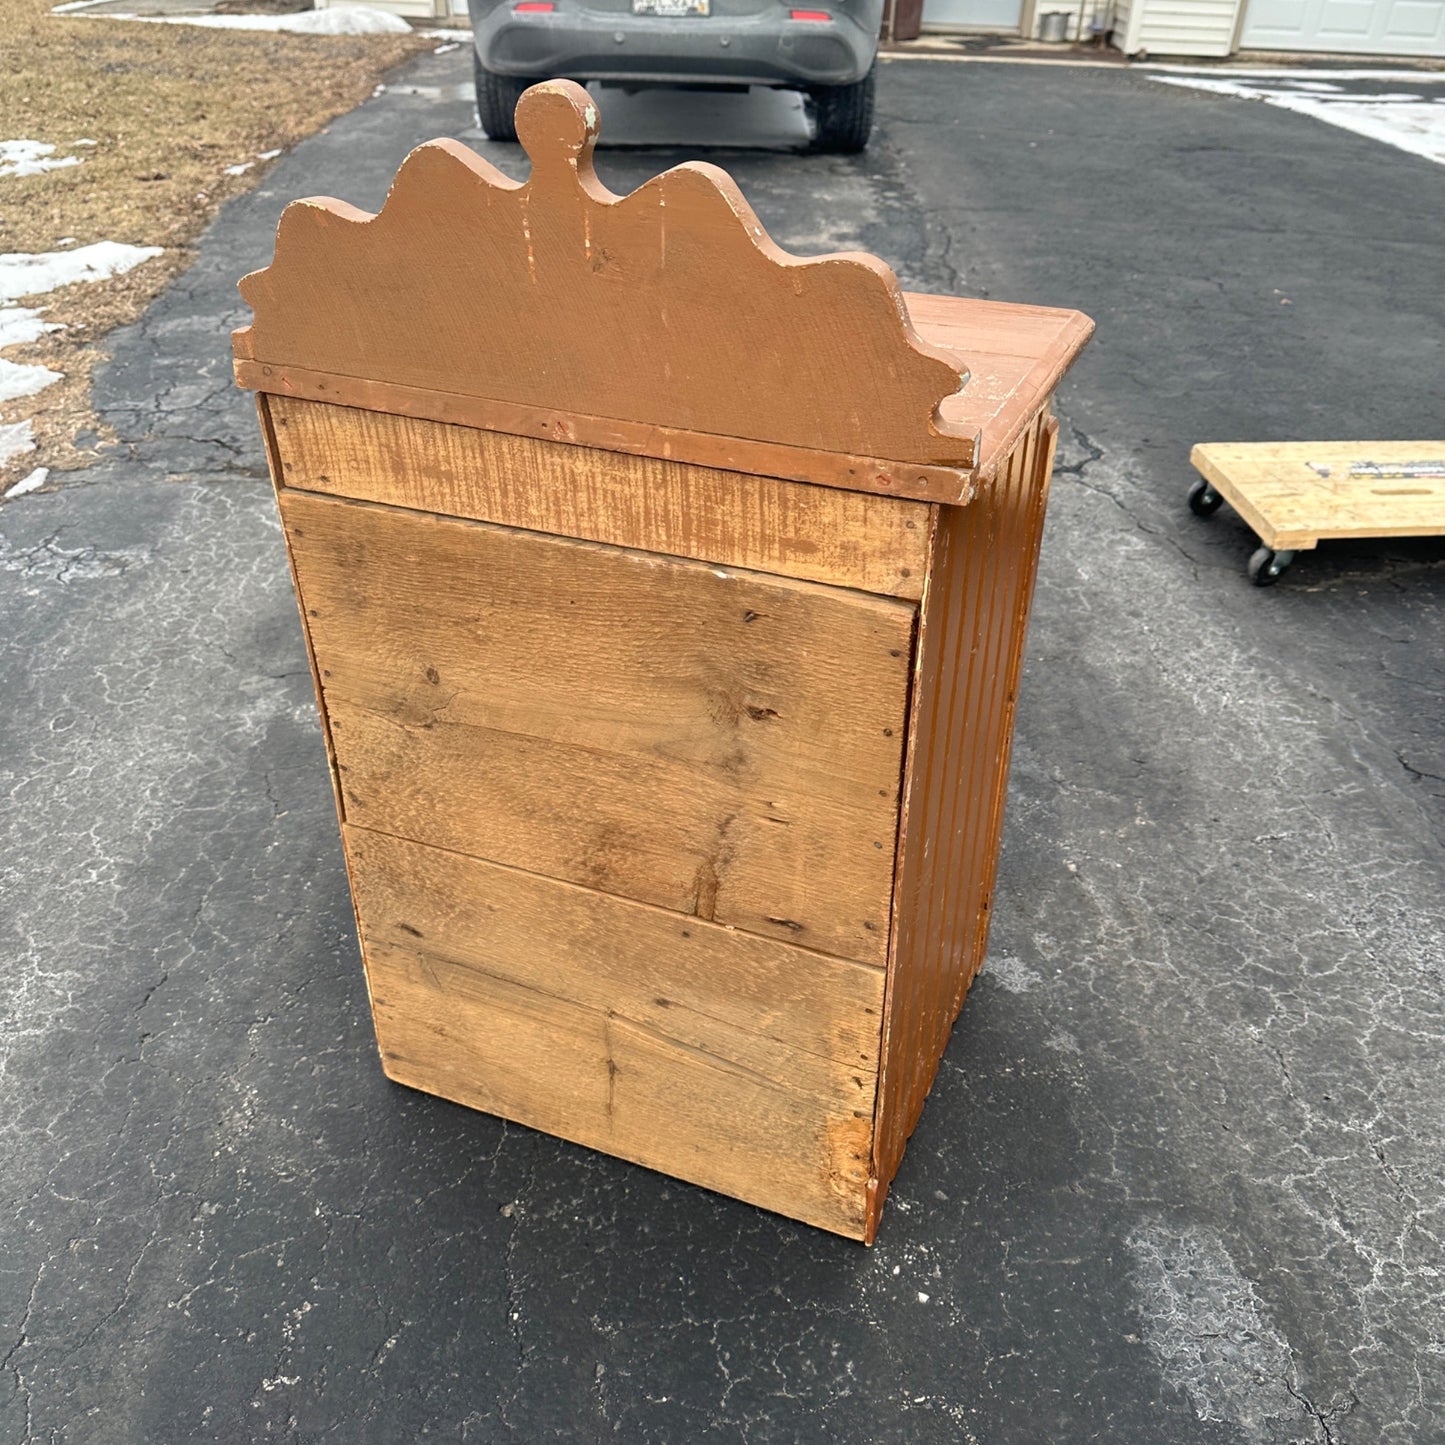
(32, 275)
(16, 438)
(22, 274)
(268, 155)
(1268, 72)
(75, 143)
(31, 158)
(19, 324)
(23, 379)
(66, 241)
(73, 5)
(239, 170)
(449, 46)
(1405, 120)
(37, 478)
(345, 20)
(349, 20)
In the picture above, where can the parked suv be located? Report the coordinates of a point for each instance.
(828, 51)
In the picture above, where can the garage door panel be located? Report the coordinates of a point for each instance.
(1346, 20)
(1350, 27)
(1420, 19)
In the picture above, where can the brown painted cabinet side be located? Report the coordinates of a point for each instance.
(970, 651)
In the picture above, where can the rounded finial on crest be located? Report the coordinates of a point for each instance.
(557, 121)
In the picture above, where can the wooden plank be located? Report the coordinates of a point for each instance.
(916, 481)
(969, 655)
(667, 306)
(607, 1081)
(721, 743)
(995, 328)
(1012, 371)
(1297, 494)
(847, 539)
(742, 1064)
(800, 1018)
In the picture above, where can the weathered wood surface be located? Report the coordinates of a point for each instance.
(740, 1063)
(970, 650)
(912, 480)
(722, 743)
(670, 306)
(1297, 494)
(1016, 356)
(847, 539)
(613, 1084)
(772, 1007)
(616, 709)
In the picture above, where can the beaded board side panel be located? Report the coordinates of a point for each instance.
(970, 651)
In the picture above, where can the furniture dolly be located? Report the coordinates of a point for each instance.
(1298, 494)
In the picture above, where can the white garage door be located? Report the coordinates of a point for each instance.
(983, 14)
(1354, 27)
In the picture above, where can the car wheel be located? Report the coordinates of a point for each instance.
(497, 97)
(844, 114)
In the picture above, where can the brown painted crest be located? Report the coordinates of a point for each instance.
(670, 306)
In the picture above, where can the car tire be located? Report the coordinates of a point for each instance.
(843, 114)
(497, 97)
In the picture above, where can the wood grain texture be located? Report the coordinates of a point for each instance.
(970, 651)
(671, 788)
(912, 480)
(847, 539)
(1016, 357)
(667, 306)
(740, 1063)
(602, 1079)
(769, 1006)
(1298, 494)
(722, 743)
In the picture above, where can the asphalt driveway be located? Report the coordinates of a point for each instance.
(1181, 1177)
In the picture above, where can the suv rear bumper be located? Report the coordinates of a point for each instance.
(762, 49)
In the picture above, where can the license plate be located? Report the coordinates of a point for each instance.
(671, 7)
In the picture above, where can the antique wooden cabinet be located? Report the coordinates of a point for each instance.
(665, 595)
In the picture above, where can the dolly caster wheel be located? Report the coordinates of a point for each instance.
(1204, 501)
(1266, 565)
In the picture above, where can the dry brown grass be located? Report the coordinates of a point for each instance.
(169, 107)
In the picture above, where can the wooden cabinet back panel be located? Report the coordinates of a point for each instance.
(721, 743)
(741, 1063)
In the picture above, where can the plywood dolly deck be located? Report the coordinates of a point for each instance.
(1296, 495)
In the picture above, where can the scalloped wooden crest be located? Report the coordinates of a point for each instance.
(670, 306)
